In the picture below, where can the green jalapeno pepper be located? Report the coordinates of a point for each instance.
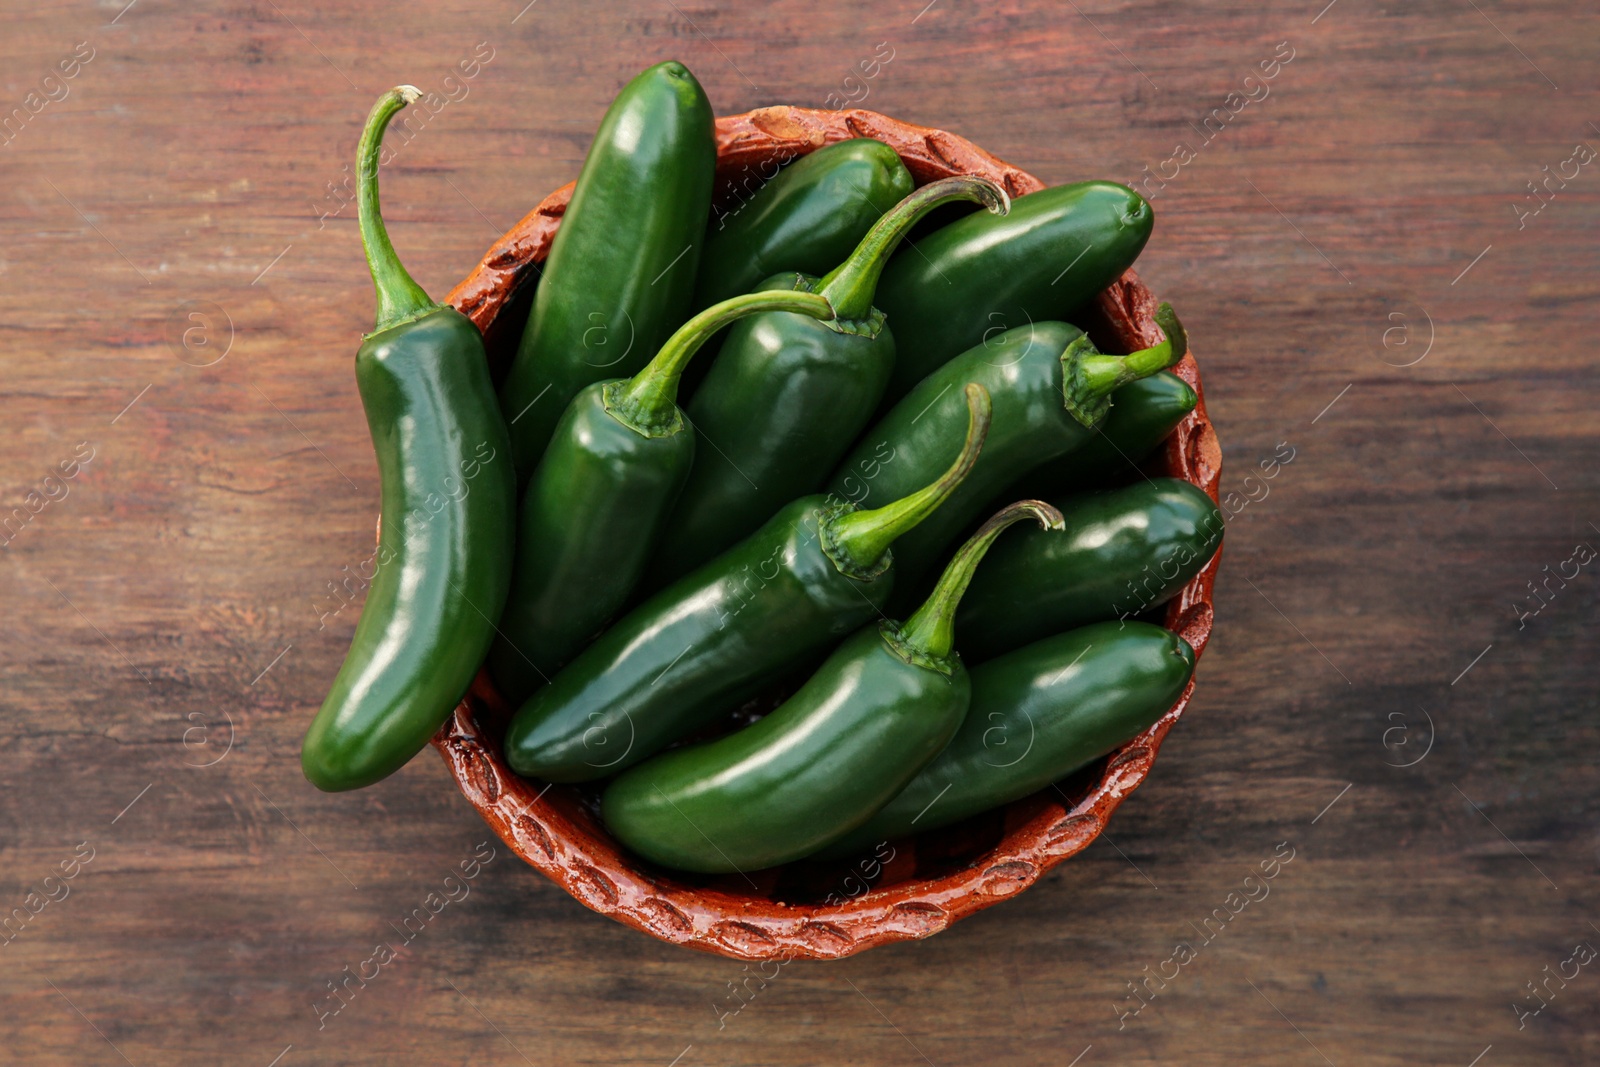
(1056, 249)
(1142, 414)
(1050, 390)
(444, 550)
(693, 651)
(1037, 715)
(879, 708)
(787, 395)
(1127, 551)
(594, 507)
(804, 219)
(621, 269)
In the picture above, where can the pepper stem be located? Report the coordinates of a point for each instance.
(1089, 376)
(399, 297)
(929, 637)
(858, 541)
(851, 285)
(648, 402)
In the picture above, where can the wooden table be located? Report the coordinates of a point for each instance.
(1353, 245)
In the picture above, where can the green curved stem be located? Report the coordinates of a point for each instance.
(399, 297)
(858, 541)
(1089, 376)
(851, 285)
(929, 636)
(648, 402)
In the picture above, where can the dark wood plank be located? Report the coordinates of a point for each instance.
(178, 585)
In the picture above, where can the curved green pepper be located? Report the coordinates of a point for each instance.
(693, 651)
(804, 220)
(1142, 414)
(1037, 715)
(1056, 250)
(621, 268)
(595, 505)
(444, 551)
(787, 395)
(1127, 551)
(1050, 390)
(885, 703)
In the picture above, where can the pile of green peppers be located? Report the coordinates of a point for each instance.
(774, 452)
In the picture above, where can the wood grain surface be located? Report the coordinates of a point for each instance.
(1354, 247)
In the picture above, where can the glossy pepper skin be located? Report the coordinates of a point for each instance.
(621, 269)
(1056, 249)
(596, 503)
(804, 220)
(1037, 715)
(788, 394)
(444, 551)
(1142, 414)
(1125, 552)
(1049, 388)
(693, 651)
(884, 704)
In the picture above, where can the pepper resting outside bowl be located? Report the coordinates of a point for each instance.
(931, 881)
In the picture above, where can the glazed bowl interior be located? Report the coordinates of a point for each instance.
(905, 889)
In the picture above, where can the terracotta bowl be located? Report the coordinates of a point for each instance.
(807, 910)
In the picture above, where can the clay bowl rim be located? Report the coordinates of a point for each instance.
(552, 830)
